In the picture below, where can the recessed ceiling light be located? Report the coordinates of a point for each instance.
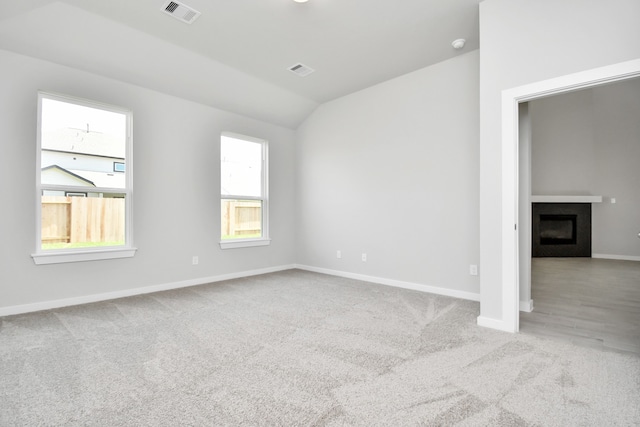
(300, 1)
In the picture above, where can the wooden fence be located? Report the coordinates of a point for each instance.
(82, 219)
(241, 217)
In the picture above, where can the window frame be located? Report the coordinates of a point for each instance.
(55, 256)
(116, 167)
(265, 240)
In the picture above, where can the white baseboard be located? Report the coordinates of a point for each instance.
(526, 306)
(620, 257)
(498, 324)
(65, 302)
(395, 283)
(86, 299)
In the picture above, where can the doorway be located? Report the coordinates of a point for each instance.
(585, 143)
(516, 254)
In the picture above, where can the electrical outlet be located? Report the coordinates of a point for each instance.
(339, 254)
(613, 200)
(364, 257)
(195, 260)
(473, 270)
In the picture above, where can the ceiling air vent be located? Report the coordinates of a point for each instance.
(301, 70)
(180, 11)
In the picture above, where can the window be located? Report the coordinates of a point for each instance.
(83, 207)
(243, 191)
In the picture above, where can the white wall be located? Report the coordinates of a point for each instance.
(524, 206)
(588, 142)
(176, 189)
(391, 171)
(526, 41)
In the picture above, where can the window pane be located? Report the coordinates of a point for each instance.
(81, 220)
(80, 145)
(241, 167)
(241, 219)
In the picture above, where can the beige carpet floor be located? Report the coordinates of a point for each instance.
(300, 349)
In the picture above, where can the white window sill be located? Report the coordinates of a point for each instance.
(244, 243)
(58, 257)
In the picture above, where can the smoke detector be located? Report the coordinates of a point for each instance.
(301, 69)
(180, 11)
(458, 43)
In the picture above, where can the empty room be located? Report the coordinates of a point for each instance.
(319, 213)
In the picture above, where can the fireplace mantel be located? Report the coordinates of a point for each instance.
(566, 199)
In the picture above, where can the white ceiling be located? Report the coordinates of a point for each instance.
(246, 45)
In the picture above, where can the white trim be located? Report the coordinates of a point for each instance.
(95, 255)
(395, 283)
(510, 100)
(566, 199)
(264, 198)
(242, 137)
(65, 302)
(243, 243)
(524, 204)
(526, 306)
(619, 257)
(510, 270)
(498, 324)
(53, 256)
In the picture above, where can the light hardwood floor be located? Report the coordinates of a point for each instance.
(588, 301)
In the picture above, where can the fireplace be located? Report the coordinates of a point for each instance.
(561, 230)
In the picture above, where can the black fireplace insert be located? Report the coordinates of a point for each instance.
(561, 230)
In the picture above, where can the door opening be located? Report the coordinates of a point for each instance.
(515, 198)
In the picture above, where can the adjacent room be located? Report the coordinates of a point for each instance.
(585, 144)
(319, 213)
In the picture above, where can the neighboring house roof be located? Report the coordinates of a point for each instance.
(88, 178)
(55, 169)
(82, 142)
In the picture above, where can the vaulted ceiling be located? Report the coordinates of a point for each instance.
(236, 54)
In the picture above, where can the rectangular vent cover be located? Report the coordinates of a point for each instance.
(301, 70)
(180, 11)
